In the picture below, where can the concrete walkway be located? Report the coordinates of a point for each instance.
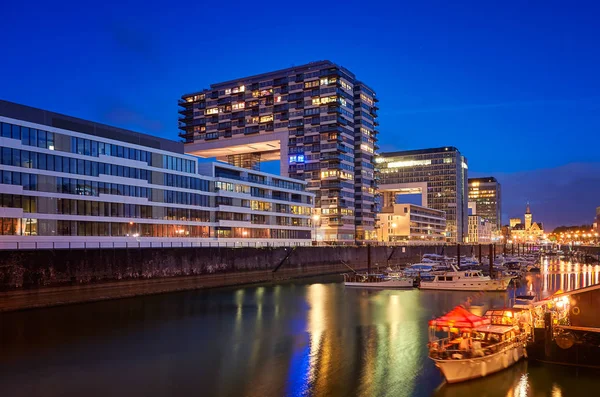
(56, 296)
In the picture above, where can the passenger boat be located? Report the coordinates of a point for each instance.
(474, 347)
(466, 280)
(379, 281)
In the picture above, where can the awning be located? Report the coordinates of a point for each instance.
(459, 317)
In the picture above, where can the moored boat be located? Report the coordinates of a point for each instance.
(466, 280)
(379, 281)
(474, 347)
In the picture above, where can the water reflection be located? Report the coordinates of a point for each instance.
(564, 275)
(292, 339)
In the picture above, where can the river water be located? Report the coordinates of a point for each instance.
(294, 339)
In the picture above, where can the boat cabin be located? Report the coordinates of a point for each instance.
(460, 275)
(481, 341)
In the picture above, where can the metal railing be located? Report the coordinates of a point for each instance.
(35, 245)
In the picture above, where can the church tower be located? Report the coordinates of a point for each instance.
(528, 217)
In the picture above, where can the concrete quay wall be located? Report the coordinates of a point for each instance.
(27, 269)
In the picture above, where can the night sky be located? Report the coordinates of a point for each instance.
(515, 87)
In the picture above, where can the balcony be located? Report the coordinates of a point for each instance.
(186, 111)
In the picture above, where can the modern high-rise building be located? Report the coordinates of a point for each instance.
(439, 175)
(317, 119)
(487, 194)
(72, 183)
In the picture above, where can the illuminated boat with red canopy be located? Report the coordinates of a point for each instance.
(473, 347)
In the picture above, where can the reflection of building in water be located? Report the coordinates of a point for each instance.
(567, 276)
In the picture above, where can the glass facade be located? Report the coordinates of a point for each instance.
(441, 175)
(63, 186)
(486, 194)
(324, 121)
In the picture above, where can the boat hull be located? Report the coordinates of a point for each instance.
(466, 369)
(468, 285)
(389, 284)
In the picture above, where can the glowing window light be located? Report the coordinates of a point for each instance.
(408, 163)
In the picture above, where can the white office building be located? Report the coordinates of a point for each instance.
(411, 223)
(72, 183)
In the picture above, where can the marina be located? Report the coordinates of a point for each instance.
(309, 337)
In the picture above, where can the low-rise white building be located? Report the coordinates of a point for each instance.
(480, 230)
(410, 222)
(72, 183)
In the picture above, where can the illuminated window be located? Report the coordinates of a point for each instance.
(212, 111)
(278, 99)
(316, 101)
(366, 99)
(228, 91)
(366, 148)
(299, 158)
(310, 84)
(447, 160)
(345, 85)
(408, 163)
(266, 119)
(324, 81)
(240, 105)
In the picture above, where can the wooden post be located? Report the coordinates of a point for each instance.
(369, 258)
(491, 261)
(479, 245)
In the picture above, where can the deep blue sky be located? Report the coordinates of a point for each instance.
(515, 86)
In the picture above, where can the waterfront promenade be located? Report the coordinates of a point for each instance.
(45, 278)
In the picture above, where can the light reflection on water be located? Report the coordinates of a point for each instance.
(290, 339)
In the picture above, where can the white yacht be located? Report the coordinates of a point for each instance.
(424, 269)
(465, 280)
(378, 281)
